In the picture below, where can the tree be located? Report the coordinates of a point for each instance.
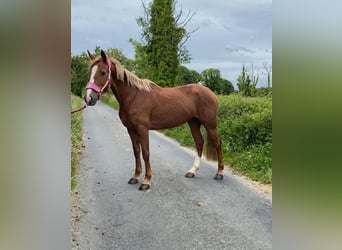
(119, 55)
(188, 76)
(212, 79)
(97, 50)
(79, 73)
(140, 67)
(268, 69)
(226, 87)
(254, 75)
(246, 86)
(163, 48)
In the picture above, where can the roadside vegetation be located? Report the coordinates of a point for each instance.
(76, 138)
(245, 127)
(109, 99)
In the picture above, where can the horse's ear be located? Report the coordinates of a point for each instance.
(103, 55)
(91, 56)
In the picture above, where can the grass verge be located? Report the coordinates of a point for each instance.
(76, 138)
(110, 100)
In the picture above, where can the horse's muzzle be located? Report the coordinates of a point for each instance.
(90, 100)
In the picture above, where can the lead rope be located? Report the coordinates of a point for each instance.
(79, 109)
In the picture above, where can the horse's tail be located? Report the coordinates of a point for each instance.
(210, 153)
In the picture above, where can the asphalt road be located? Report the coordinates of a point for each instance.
(176, 213)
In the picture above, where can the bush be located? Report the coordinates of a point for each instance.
(245, 121)
(245, 127)
(261, 92)
(79, 73)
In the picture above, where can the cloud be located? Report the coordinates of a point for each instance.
(231, 33)
(239, 49)
(210, 22)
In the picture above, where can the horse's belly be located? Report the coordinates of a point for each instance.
(169, 119)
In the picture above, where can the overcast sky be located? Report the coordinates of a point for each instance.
(231, 32)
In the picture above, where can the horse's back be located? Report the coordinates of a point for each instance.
(203, 99)
(204, 96)
(171, 107)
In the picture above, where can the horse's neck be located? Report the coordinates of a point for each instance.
(122, 92)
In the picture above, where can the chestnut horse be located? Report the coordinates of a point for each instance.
(145, 106)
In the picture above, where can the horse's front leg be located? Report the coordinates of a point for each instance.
(136, 149)
(144, 141)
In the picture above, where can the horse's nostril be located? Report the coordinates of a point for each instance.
(88, 99)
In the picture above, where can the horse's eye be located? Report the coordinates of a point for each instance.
(103, 73)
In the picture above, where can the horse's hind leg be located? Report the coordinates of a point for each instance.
(214, 141)
(195, 127)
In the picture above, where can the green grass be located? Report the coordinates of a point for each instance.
(76, 137)
(245, 127)
(110, 100)
(254, 162)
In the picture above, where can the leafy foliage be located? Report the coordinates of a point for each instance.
(188, 76)
(268, 70)
(213, 80)
(245, 122)
(226, 87)
(79, 73)
(76, 138)
(262, 92)
(159, 57)
(119, 55)
(140, 67)
(245, 84)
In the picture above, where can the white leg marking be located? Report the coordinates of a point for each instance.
(196, 165)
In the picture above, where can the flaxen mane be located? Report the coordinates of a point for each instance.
(131, 79)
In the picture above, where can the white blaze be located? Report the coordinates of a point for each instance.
(93, 72)
(92, 79)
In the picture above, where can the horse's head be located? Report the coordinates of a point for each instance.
(100, 77)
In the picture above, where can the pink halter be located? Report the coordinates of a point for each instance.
(93, 86)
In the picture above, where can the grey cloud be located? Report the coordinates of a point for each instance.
(230, 32)
(239, 49)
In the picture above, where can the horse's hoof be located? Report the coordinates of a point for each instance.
(144, 187)
(133, 181)
(218, 177)
(189, 175)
